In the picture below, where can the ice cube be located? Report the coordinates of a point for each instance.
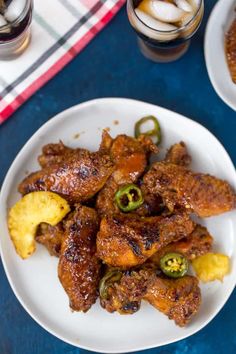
(3, 22)
(153, 28)
(14, 10)
(184, 5)
(166, 12)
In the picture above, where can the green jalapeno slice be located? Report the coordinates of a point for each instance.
(174, 265)
(111, 277)
(128, 197)
(155, 132)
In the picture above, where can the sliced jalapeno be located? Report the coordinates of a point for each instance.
(155, 132)
(128, 197)
(174, 265)
(109, 278)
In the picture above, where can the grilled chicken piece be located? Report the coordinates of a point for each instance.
(199, 242)
(153, 204)
(179, 187)
(230, 50)
(128, 240)
(178, 154)
(79, 268)
(76, 179)
(57, 153)
(179, 299)
(51, 237)
(130, 157)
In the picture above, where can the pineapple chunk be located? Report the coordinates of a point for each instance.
(211, 266)
(31, 210)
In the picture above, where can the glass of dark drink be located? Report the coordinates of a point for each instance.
(165, 27)
(15, 20)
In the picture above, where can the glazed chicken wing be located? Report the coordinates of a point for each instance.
(179, 299)
(78, 268)
(130, 157)
(126, 241)
(76, 179)
(178, 154)
(57, 153)
(200, 193)
(199, 242)
(51, 237)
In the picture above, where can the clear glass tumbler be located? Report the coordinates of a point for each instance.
(163, 45)
(15, 20)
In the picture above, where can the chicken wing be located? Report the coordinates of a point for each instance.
(199, 242)
(76, 179)
(126, 241)
(179, 299)
(51, 237)
(57, 153)
(195, 192)
(130, 157)
(79, 268)
(178, 154)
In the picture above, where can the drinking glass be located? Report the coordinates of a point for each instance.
(15, 20)
(163, 46)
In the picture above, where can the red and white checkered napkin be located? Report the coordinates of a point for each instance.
(60, 30)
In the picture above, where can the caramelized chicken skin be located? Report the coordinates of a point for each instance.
(195, 192)
(51, 237)
(77, 179)
(128, 240)
(57, 153)
(79, 268)
(178, 154)
(130, 157)
(199, 242)
(179, 299)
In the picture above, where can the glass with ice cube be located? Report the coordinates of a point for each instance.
(15, 20)
(164, 27)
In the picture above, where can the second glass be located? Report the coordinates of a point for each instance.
(163, 35)
(15, 20)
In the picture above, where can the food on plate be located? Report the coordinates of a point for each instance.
(211, 266)
(154, 132)
(174, 265)
(199, 242)
(79, 268)
(178, 154)
(179, 187)
(127, 240)
(130, 157)
(76, 179)
(28, 213)
(51, 237)
(230, 50)
(129, 198)
(121, 225)
(179, 299)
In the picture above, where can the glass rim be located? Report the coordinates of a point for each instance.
(177, 30)
(28, 3)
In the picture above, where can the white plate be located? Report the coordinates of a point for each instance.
(218, 24)
(34, 281)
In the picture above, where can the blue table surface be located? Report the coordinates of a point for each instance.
(111, 65)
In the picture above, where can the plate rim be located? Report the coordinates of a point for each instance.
(60, 116)
(210, 72)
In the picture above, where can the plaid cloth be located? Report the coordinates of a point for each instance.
(60, 30)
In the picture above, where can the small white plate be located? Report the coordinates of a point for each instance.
(219, 21)
(35, 282)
